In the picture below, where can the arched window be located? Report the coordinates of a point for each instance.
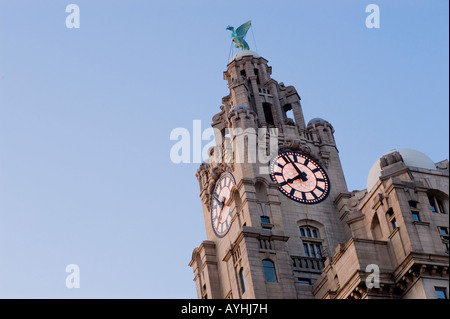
(242, 280)
(261, 192)
(267, 108)
(269, 270)
(376, 228)
(436, 204)
(312, 245)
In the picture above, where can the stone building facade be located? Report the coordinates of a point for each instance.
(287, 226)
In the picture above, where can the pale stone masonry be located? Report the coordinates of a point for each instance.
(277, 247)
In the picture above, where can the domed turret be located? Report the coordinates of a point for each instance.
(410, 157)
(242, 116)
(317, 121)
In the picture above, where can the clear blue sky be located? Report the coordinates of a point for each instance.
(86, 114)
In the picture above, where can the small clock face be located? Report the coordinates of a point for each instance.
(299, 177)
(220, 211)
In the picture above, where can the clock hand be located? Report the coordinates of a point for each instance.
(291, 180)
(299, 172)
(217, 199)
(221, 209)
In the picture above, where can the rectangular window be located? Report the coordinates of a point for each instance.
(443, 231)
(313, 252)
(257, 76)
(242, 280)
(440, 205)
(415, 216)
(308, 232)
(304, 281)
(305, 247)
(302, 232)
(432, 204)
(319, 251)
(394, 223)
(314, 233)
(441, 292)
(265, 219)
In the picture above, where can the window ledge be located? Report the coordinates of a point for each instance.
(421, 223)
(267, 226)
(311, 239)
(395, 231)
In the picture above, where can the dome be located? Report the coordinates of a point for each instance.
(317, 120)
(243, 53)
(410, 157)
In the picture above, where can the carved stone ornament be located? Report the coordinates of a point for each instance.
(207, 175)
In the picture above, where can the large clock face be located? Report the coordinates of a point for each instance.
(299, 177)
(220, 211)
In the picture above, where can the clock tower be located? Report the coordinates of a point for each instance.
(268, 191)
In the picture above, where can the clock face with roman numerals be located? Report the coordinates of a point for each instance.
(220, 211)
(299, 177)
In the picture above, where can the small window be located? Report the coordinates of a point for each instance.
(319, 251)
(312, 250)
(302, 232)
(440, 206)
(390, 213)
(267, 107)
(394, 223)
(441, 292)
(443, 230)
(204, 292)
(391, 219)
(242, 280)
(265, 222)
(414, 210)
(257, 76)
(308, 232)
(265, 219)
(269, 270)
(304, 281)
(436, 205)
(432, 204)
(305, 247)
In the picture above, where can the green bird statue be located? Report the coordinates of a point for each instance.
(238, 36)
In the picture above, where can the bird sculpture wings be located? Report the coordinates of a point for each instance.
(238, 36)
